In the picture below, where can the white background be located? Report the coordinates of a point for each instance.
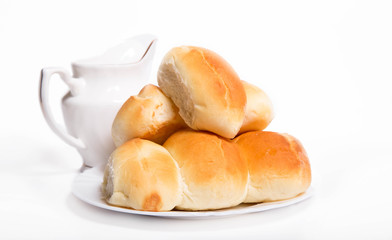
(327, 67)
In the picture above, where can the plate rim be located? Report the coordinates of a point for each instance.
(92, 175)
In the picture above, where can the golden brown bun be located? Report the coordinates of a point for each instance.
(259, 112)
(149, 115)
(205, 88)
(213, 172)
(142, 175)
(278, 165)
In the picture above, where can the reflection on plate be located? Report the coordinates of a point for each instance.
(86, 187)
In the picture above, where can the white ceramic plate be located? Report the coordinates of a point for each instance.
(86, 187)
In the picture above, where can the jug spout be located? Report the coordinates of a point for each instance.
(131, 51)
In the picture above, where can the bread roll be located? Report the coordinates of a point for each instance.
(149, 115)
(213, 172)
(142, 175)
(205, 88)
(259, 112)
(278, 166)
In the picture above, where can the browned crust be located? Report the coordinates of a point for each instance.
(152, 202)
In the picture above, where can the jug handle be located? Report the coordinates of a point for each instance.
(46, 75)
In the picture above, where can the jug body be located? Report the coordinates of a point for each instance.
(89, 119)
(97, 91)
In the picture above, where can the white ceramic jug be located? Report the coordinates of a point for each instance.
(98, 88)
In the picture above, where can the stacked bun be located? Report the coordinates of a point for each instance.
(205, 88)
(142, 175)
(259, 111)
(149, 115)
(278, 166)
(196, 142)
(213, 172)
